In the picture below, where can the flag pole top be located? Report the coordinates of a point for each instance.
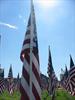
(71, 62)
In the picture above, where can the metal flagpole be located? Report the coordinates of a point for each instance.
(31, 47)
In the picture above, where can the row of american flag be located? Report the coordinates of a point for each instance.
(8, 84)
(68, 78)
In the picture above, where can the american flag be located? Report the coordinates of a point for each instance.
(2, 85)
(30, 81)
(51, 74)
(71, 78)
(65, 78)
(11, 86)
(10, 81)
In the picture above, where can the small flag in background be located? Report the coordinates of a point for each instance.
(68, 80)
(51, 74)
(30, 81)
(2, 81)
(65, 78)
(10, 81)
(2, 85)
(71, 77)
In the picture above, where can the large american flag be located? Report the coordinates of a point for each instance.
(30, 81)
(51, 74)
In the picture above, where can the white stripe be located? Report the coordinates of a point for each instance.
(35, 62)
(25, 85)
(26, 65)
(36, 84)
(72, 76)
(72, 71)
(34, 44)
(70, 87)
(73, 83)
(26, 46)
(27, 36)
(33, 98)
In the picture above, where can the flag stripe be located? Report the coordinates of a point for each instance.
(36, 73)
(26, 75)
(26, 41)
(36, 84)
(24, 95)
(37, 97)
(25, 86)
(2, 85)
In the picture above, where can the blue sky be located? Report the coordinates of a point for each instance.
(55, 27)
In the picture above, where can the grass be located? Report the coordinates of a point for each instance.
(63, 95)
(7, 96)
(60, 95)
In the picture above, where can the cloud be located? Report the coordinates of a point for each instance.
(8, 25)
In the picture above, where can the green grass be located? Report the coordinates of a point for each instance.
(63, 95)
(7, 96)
(60, 95)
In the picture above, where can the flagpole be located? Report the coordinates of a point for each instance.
(0, 50)
(31, 47)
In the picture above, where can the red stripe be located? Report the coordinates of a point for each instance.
(26, 41)
(36, 73)
(35, 52)
(36, 95)
(27, 57)
(24, 95)
(25, 74)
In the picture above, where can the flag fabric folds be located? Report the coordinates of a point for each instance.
(68, 80)
(10, 81)
(2, 85)
(51, 74)
(2, 81)
(30, 78)
(65, 79)
(71, 78)
(11, 87)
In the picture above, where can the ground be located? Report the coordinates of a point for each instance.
(60, 95)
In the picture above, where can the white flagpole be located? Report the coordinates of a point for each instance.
(31, 48)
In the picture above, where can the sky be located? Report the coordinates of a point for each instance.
(55, 21)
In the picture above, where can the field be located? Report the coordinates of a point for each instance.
(60, 95)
